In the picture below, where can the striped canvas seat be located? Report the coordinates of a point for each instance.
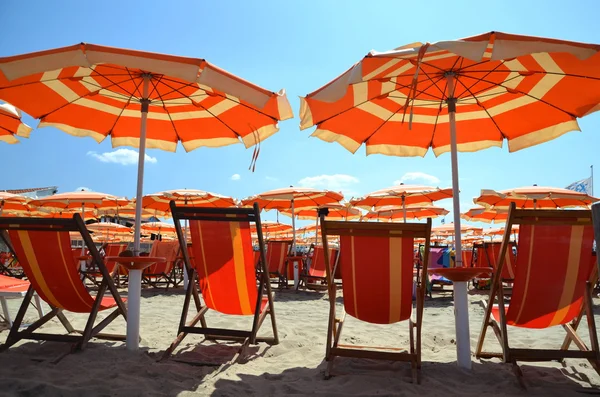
(553, 283)
(221, 258)
(162, 272)
(316, 272)
(376, 261)
(277, 260)
(43, 248)
(491, 255)
(113, 249)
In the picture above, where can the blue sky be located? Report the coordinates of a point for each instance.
(298, 46)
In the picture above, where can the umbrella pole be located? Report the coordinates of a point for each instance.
(461, 302)
(135, 276)
(296, 275)
(82, 263)
(404, 207)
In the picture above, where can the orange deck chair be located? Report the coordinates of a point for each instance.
(43, 248)
(278, 252)
(110, 249)
(163, 272)
(223, 264)
(377, 283)
(316, 272)
(553, 283)
(491, 253)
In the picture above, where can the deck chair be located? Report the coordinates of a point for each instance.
(43, 248)
(480, 259)
(315, 274)
(553, 283)
(438, 257)
(223, 264)
(278, 252)
(491, 253)
(162, 272)
(109, 250)
(377, 284)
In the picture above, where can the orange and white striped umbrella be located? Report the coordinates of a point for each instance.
(293, 197)
(336, 212)
(13, 202)
(499, 231)
(487, 215)
(308, 229)
(79, 200)
(129, 212)
(396, 213)
(108, 228)
(272, 227)
(448, 229)
(537, 197)
(401, 195)
(97, 91)
(157, 227)
(11, 124)
(198, 198)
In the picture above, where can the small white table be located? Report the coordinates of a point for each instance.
(17, 291)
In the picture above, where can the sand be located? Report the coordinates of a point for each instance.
(294, 367)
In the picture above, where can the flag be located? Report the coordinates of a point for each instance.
(582, 186)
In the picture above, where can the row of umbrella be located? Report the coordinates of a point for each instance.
(460, 95)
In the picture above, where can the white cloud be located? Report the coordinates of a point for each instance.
(121, 156)
(337, 182)
(235, 177)
(418, 177)
(83, 189)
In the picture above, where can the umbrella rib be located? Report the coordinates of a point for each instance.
(477, 81)
(155, 89)
(206, 109)
(530, 96)
(475, 93)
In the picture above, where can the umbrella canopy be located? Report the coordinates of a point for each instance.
(336, 212)
(13, 202)
(394, 213)
(462, 95)
(402, 194)
(499, 231)
(11, 124)
(308, 229)
(301, 197)
(538, 197)
(449, 229)
(108, 228)
(193, 197)
(482, 214)
(272, 227)
(128, 211)
(157, 227)
(79, 200)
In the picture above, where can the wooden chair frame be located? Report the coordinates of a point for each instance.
(512, 355)
(335, 324)
(264, 286)
(90, 331)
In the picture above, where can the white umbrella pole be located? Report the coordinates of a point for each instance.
(461, 302)
(135, 276)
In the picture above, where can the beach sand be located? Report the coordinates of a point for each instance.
(294, 367)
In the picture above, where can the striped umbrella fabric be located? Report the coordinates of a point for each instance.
(97, 91)
(533, 197)
(11, 124)
(198, 198)
(157, 227)
(448, 229)
(399, 195)
(77, 200)
(525, 90)
(272, 227)
(301, 197)
(13, 202)
(336, 212)
(396, 213)
(482, 214)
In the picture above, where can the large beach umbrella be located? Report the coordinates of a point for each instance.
(157, 227)
(272, 227)
(11, 124)
(13, 202)
(128, 211)
(198, 198)
(143, 100)
(533, 197)
(393, 213)
(340, 212)
(78, 201)
(461, 95)
(401, 195)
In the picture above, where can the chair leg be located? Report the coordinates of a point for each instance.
(5, 310)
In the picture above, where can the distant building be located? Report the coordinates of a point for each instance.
(34, 193)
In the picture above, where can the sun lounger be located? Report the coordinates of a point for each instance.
(278, 252)
(162, 272)
(314, 274)
(223, 265)
(377, 282)
(553, 280)
(43, 248)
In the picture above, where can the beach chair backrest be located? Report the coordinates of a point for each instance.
(467, 257)
(317, 264)
(377, 267)
(163, 249)
(223, 256)
(277, 253)
(491, 254)
(43, 247)
(553, 265)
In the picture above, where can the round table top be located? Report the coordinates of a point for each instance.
(135, 262)
(460, 273)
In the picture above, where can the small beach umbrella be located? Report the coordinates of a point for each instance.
(450, 229)
(157, 227)
(482, 214)
(401, 195)
(193, 197)
(534, 197)
(143, 100)
(13, 202)
(459, 95)
(74, 201)
(11, 124)
(272, 227)
(392, 213)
